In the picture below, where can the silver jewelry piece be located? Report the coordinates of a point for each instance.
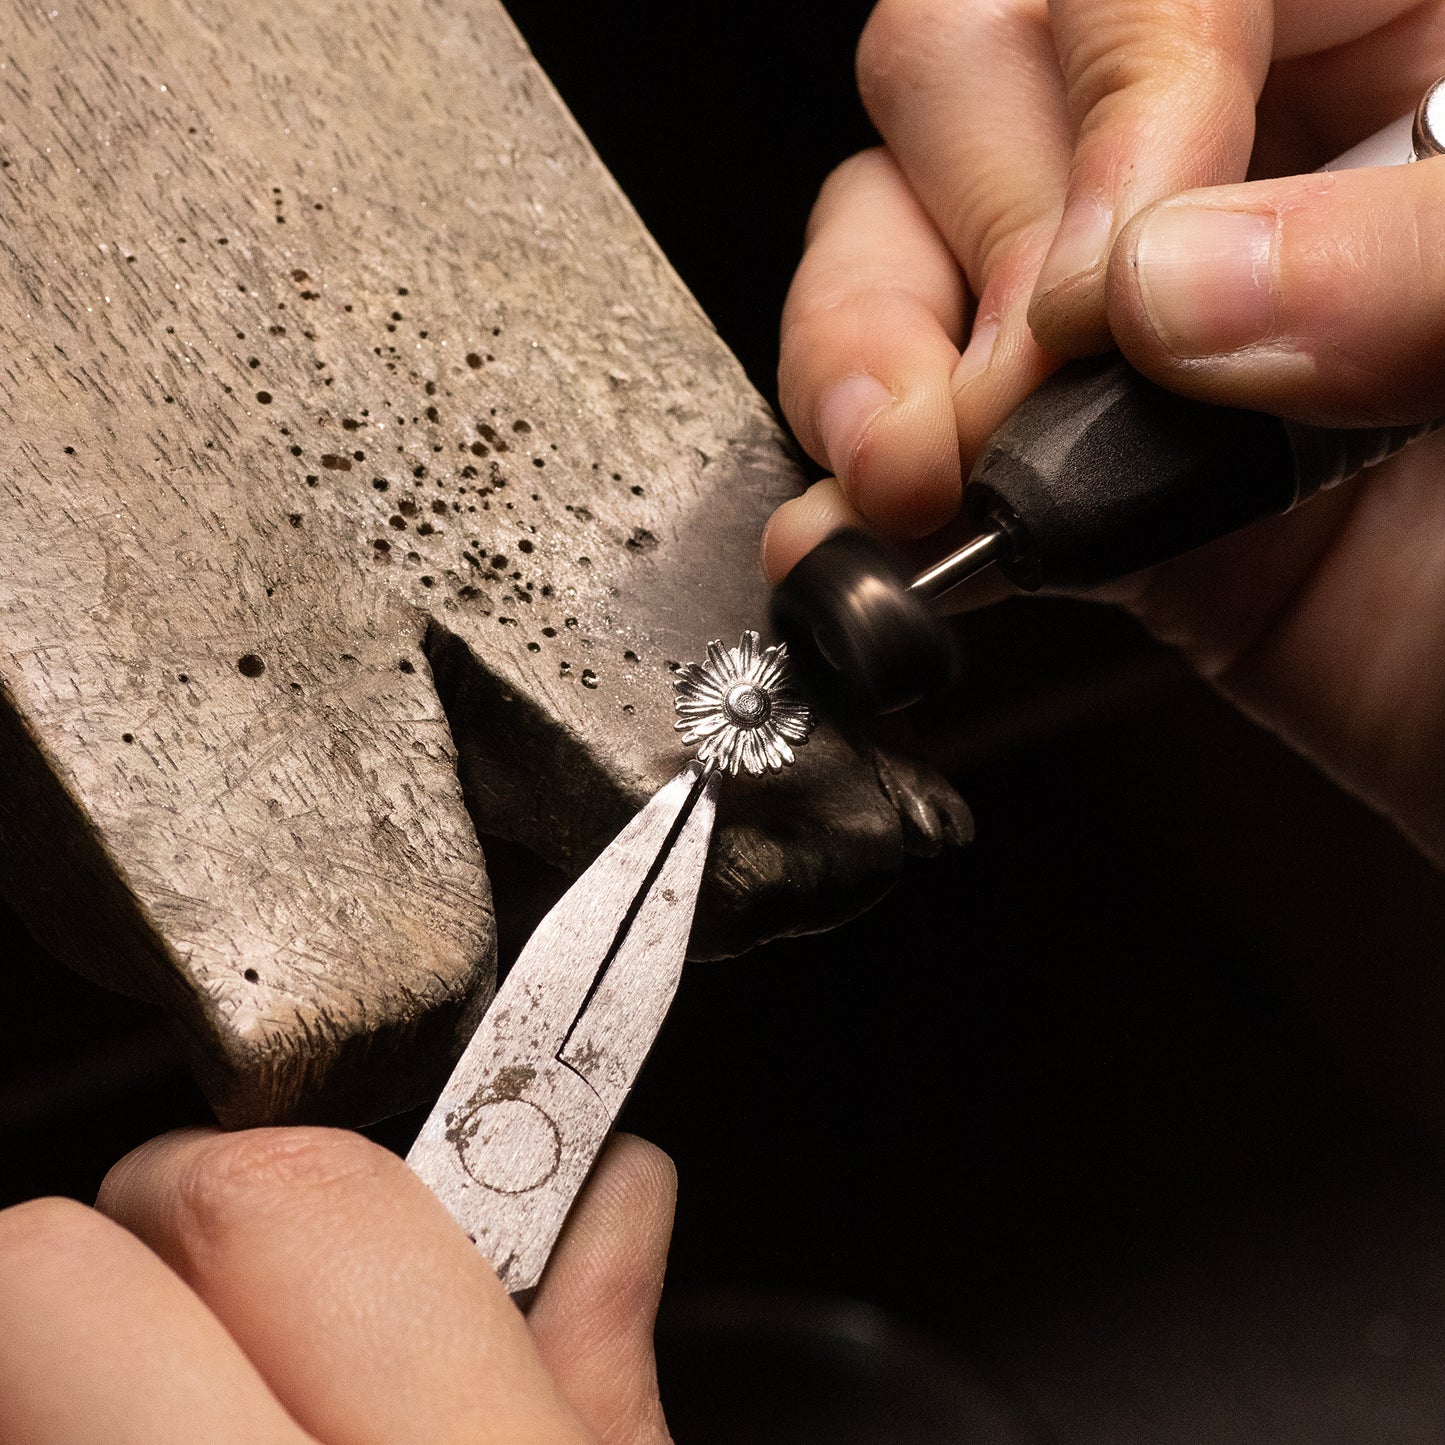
(741, 707)
(1427, 135)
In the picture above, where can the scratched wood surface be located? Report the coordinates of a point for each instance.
(364, 468)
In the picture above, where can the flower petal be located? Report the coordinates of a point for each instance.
(697, 706)
(770, 670)
(780, 747)
(699, 679)
(705, 728)
(720, 665)
(700, 702)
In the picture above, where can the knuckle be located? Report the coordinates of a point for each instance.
(841, 326)
(1110, 59)
(897, 46)
(846, 301)
(912, 46)
(1160, 57)
(232, 1177)
(810, 324)
(808, 308)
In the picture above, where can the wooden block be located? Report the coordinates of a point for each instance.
(364, 468)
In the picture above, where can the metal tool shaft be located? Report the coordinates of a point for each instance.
(967, 561)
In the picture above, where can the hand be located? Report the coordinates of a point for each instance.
(295, 1285)
(1316, 297)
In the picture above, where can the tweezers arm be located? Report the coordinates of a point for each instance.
(615, 1032)
(516, 1130)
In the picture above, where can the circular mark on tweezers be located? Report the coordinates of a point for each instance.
(511, 1146)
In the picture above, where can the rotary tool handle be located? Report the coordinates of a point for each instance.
(1100, 473)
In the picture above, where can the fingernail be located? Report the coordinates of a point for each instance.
(1081, 244)
(844, 414)
(1206, 277)
(977, 354)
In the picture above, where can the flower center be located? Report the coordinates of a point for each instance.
(746, 705)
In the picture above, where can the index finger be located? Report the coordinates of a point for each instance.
(1163, 95)
(99, 1340)
(366, 1309)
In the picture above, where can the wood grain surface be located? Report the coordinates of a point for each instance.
(365, 469)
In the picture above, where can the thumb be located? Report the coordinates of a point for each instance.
(1320, 298)
(593, 1316)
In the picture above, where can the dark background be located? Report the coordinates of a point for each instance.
(1127, 1105)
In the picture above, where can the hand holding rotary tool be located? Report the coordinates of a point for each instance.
(1278, 336)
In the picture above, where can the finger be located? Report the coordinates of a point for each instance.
(800, 524)
(1307, 27)
(1316, 297)
(1163, 93)
(870, 335)
(594, 1314)
(364, 1306)
(100, 1341)
(1313, 106)
(970, 101)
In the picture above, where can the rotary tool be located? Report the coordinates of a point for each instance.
(1099, 473)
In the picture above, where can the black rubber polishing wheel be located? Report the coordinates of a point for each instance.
(862, 642)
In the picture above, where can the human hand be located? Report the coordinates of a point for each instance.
(1319, 297)
(294, 1285)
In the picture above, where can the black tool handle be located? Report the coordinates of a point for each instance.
(1100, 473)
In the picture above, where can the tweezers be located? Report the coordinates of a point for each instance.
(534, 1096)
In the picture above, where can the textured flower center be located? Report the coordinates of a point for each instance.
(746, 705)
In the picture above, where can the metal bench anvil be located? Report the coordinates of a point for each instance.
(364, 468)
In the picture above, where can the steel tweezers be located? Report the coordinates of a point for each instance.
(535, 1094)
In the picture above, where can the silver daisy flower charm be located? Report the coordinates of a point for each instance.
(741, 707)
